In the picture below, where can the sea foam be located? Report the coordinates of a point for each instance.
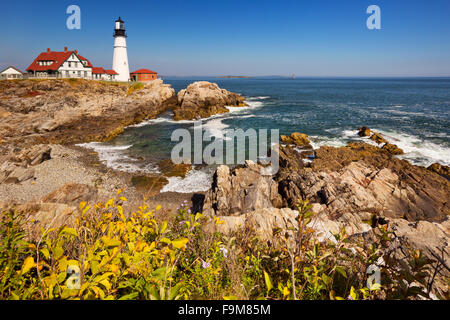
(417, 151)
(115, 157)
(195, 181)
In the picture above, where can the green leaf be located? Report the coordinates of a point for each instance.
(110, 243)
(61, 277)
(179, 243)
(27, 265)
(375, 286)
(174, 291)
(353, 294)
(268, 281)
(341, 271)
(160, 273)
(45, 252)
(69, 231)
(163, 227)
(130, 296)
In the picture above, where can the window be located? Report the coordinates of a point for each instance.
(76, 64)
(70, 64)
(85, 74)
(79, 73)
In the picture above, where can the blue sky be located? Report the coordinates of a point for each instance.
(200, 38)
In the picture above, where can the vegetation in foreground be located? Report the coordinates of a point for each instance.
(111, 255)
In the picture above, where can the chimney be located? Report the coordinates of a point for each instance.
(76, 51)
(48, 49)
(65, 49)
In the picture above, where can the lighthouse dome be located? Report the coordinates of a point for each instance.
(119, 30)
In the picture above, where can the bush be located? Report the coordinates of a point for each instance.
(135, 87)
(111, 255)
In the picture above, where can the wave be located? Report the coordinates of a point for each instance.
(195, 181)
(115, 157)
(416, 150)
(215, 128)
(251, 101)
(257, 98)
(410, 113)
(159, 120)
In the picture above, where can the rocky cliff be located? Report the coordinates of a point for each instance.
(203, 99)
(72, 111)
(355, 188)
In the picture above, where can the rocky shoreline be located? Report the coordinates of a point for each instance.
(356, 187)
(42, 171)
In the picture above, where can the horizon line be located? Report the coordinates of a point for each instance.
(302, 77)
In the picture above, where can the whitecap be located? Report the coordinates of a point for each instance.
(418, 151)
(115, 157)
(195, 181)
(257, 98)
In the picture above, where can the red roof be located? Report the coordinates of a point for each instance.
(143, 71)
(111, 72)
(89, 64)
(57, 56)
(98, 70)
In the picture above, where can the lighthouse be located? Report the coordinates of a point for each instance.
(120, 57)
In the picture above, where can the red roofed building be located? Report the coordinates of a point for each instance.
(67, 64)
(143, 75)
(60, 64)
(98, 73)
(111, 75)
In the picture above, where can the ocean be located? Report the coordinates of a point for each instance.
(411, 113)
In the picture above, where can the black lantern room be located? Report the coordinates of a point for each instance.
(119, 30)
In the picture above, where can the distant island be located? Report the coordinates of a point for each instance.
(234, 77)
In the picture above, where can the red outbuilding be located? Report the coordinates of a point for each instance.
(143, 75)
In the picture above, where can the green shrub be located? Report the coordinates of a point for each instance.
(135, 87)
(109, 254)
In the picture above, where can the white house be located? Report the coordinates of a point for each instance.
(98, 73)
(60, 64)
(11, 73)
(67, 64)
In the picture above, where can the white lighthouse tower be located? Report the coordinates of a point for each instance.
(120, 57)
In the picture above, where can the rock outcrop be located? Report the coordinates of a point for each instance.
(17, 167)
(72, 194)
(240, 190)
(298, 139)
(203, 99)
(440, 169)
(379, 139)
(358, 179)
(73, 111)
(355, 187)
